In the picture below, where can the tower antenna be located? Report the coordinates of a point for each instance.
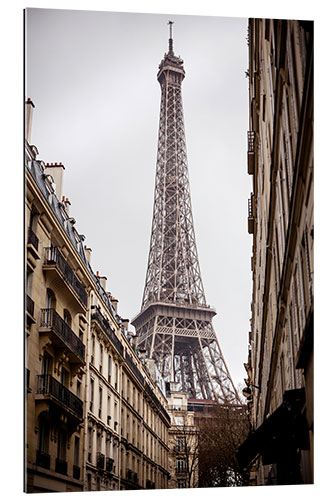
(170, 23)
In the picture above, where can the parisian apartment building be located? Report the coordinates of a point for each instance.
(279, 450)
(96, 410)
(183, 440)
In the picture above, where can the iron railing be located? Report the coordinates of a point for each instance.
(250, 206)
(250, 141)
(49, 386)
(54, 256)
(76, 472)
(32, 238)
(51, 319)
(43, 459)
(61, 466)
(100, 460)
(109, 464)
(103, 323)
(30, 305)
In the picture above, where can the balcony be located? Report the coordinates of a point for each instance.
(250, 152)
(32, 249)
(181, 470)
(58, 393)
(30, 309)
(62, 335)
(250, 220)
(43, 459)
(100, 461)
(61, 272)
(61, 466)
(76, 472)
(105, 326)
(109, 464)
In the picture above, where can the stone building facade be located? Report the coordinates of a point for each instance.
(279, 449)
(95, 418)
(183, 441)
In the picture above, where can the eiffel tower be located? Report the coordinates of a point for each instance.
(175, 322)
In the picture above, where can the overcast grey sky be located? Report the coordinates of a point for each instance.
(92, 78)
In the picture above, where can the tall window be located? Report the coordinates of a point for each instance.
(67, 318)
(44, 435)
(100, 402)
(64, 377)
(93, 349)
(109, 369)
(62, 442)
(101, 358)
(91, 394)
(77, 451)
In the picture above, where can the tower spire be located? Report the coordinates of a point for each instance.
(170, 23)
(175, 322)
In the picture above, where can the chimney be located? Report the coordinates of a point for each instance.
(125, 322)
(114, 303)
(56, 170)
(88, 253)
(29, 105)
(102, 280)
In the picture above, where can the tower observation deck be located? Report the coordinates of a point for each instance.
(175, 322)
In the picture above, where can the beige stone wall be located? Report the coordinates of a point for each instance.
(125, 419)
(282, 262)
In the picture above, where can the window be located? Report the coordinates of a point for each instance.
(181, 465)
(109, 369)
(50, 299)
(44, 435)
(180, 443)
(67, 318)
(101, 358)
(64, 379)
(62, 442)
(76, 451)
(100, 402)
(93, 349)
(179, 420)
(116, 377)
(181, 483)
(177, 403)
(46, 364)
(91, 394)
(89, 482)
(78, 389)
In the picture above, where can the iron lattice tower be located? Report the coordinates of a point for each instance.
(175, 323)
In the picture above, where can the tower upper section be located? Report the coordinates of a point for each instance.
(171, 70)
(173, 274)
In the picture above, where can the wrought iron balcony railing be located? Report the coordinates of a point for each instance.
(250, 141)
(100, 460)
(51, 319)
(181, 470)
(109, 464)
(49, 386)
(250, 220)
(61, 466)
(103, 323)
(43, 459)
(32, 238)
(76, 472)
(250, 206)
(54, 256)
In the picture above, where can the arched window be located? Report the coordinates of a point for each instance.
(67, 318)
(50, 299)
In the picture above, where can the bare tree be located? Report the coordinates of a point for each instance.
(221, 431)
